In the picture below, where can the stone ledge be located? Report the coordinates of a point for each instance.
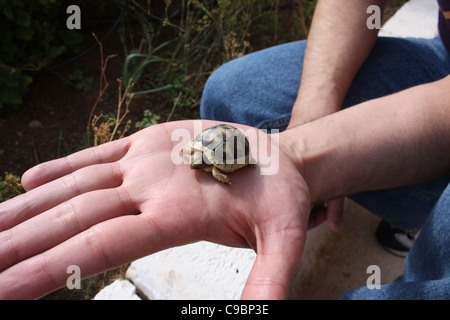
(120, 289)
(416, 18)
(201, 270)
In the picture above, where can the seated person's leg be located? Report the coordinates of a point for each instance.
(256, 89)
(259, 89)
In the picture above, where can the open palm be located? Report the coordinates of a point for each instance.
(108, 205)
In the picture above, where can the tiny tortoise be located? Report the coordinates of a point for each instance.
(219, 150)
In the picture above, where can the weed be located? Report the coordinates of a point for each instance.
(149, 119)
(113, 126)
(78, 80)
(32, 37)
(182, 45)
(177, 52)
(10, 187)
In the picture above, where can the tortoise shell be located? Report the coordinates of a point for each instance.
(219, 150)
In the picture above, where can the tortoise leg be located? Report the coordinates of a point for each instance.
(220, 176)
(186, 150)
(195, 160)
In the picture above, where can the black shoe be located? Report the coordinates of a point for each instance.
(395, 240)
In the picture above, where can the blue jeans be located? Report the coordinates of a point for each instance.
(259, 90)
(426, 273)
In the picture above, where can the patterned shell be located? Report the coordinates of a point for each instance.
(224, 147)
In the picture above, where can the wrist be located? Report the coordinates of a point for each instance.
(294, 143)
(308, 108)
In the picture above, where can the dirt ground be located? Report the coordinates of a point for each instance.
(53, 119)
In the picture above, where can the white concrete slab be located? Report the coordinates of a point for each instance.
(120, 289)
(416, 18)
(201, 270)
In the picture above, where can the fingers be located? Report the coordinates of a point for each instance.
(48, 171)
(318, 216)
(333, 213)
(104, 246)
(60, 223)
(27, 205)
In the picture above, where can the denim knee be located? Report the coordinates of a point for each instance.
(222, 92)
(256, 88)
(212, 98)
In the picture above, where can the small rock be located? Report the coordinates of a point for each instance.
(346, 275)
(120, 289)
(35, 124)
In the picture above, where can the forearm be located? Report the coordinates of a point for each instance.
(387, 142)
(338, 43)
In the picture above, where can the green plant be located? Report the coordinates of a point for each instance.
(78, 80)
(13, 86)
(148, 120)
(33, 35)
(187, 40)
(10, 187)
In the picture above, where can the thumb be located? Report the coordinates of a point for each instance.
(273, 269)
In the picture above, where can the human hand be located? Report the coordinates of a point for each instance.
(108, 205)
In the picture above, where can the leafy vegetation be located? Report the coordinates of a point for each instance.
(10, 187)
(180, 46)
(189, 39)
(148, 120)
(78, 80)
(31, 38)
